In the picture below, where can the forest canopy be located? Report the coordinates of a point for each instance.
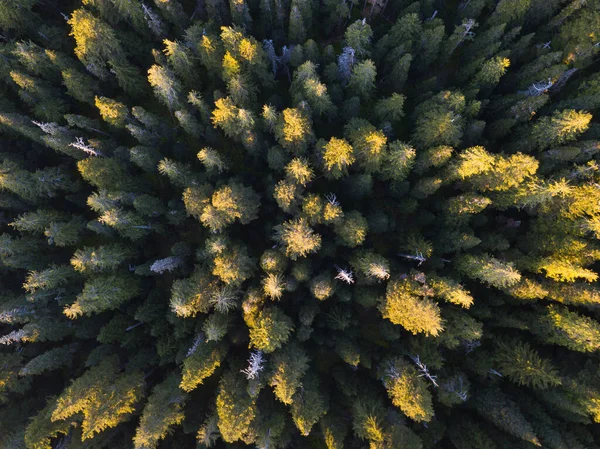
(299, 224)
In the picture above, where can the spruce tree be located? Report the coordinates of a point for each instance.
(281, 224)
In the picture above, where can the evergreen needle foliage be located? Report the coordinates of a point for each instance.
(299, 224)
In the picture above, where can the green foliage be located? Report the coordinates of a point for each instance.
(362, 80)
(352, 229)
(193, 295)
(293, 130)
(308, 405)
(407, 303)
(558, 325)
(391, 108)
(398, 162)
(451, 291)
(440, 120)
(504, 413)
(235, 408)
(48, 361)
(103, 293)
(226, 205)
(201, 364)
(521, 364)
(490, 270)
(104, 397)
(41, 430)
(337, 155)
(289, 366)
(298, 238)
(268, 214)
(407, 390)
(163, 411)
(561, 127)
(269, 329)
(102, 258)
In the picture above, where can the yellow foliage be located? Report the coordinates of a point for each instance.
(296, 126)
(408, 390)
(332, 212)
(23, 81)
(338, 155)
(231, 67)
(312, 207)
(112, 111)
(248, 50)
(565, 271)
(405, 306)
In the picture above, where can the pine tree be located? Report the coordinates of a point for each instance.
(166, 87)
(269, 329)
(235, 408)
(561, 127)
(558, 325)
(440, 120)
(490, 270)
(103, 293)
(48, 361)
(298, 238)
(337, 155)
(96, 42)
(290, 363)
(520, 363)
(104, 397)
(157, 419)
(352, 229)
(391, 108)
(369, 143)
(451, 291)
(358, 37)
(407, 303)
(294, 130)
(306, 86)
(202, 360)
(14, 15)
(193, 295)
(277, 208)
(297, 30)
(233, 266)
(501, 411)
(362, 79)
(407, 389)
(308, 405)
(41, 430)
(112, 111)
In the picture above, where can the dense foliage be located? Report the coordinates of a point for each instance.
(299, 224)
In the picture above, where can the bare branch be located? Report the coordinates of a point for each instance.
(423, 370)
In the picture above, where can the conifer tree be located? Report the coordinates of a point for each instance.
(157, 419)
(520, 363)
(490, 270)
(407, 389)
(235, 408)
(558, 325)
(298, 238)
(284, 224)
(501, 411)
(362, 79)
(308, 405)
(337, 155)
(561, 127)
(102, 293)
(203, 358)
(104, 397)
(269, 329)
(407, 303)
